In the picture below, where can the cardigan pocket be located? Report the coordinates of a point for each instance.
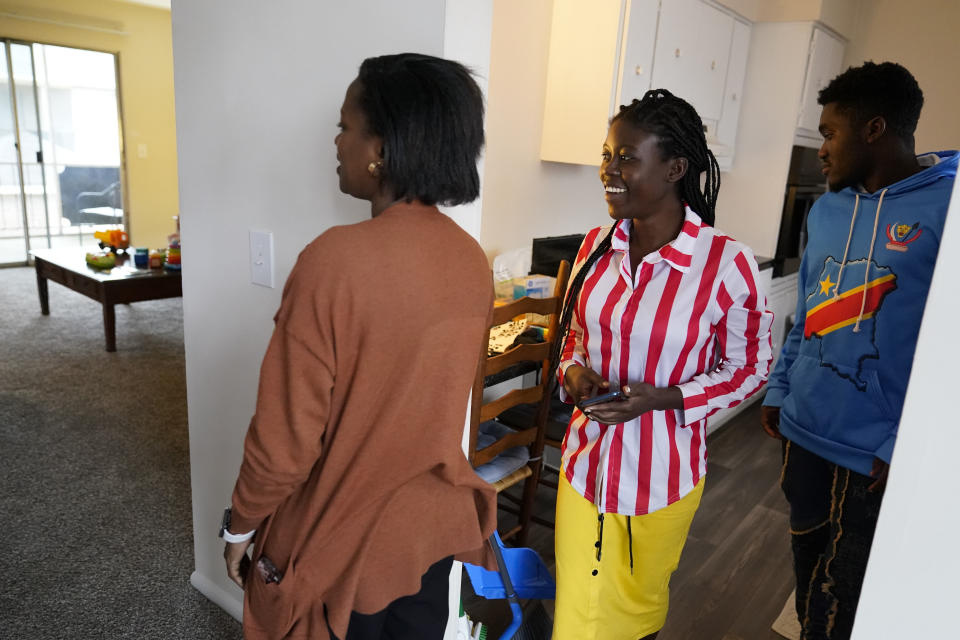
(270, 606)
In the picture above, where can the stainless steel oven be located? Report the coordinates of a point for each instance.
(805, 183)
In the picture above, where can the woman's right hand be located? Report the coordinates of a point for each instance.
(583, 382)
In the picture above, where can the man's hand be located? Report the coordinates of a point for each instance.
(770, 421)
(583, 382)
(235, 555)
(640, 397)
(879, 471)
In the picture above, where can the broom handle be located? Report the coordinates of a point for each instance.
(502, 570)
(508, 587)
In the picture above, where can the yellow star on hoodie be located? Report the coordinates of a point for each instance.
(826, 285)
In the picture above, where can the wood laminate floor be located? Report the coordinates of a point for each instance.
(735, 573)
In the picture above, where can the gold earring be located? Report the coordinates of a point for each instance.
(374, 167)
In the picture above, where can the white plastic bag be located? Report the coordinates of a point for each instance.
(507, 266)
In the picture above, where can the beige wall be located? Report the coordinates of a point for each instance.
(921, 35)
(839, 15)
(523, 197)
(146, 86)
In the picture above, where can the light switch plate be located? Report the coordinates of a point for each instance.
(261, 258)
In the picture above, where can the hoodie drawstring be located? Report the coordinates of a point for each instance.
(866, 272)
(846, 250)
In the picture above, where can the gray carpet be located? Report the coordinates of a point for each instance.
(94, 472)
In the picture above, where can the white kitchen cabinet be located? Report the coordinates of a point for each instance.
(693, 47)
(782, 301)
(824, 62)
(639, 40)
(726, 128)
(583, 65)
(605, 53)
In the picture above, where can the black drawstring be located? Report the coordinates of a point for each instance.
(599, 543)
(600, 537)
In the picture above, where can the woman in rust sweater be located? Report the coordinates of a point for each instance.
(353, 482)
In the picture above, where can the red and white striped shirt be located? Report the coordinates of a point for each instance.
(692, 317)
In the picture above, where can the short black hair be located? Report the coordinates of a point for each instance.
(886, 89)
(679, 130)
(429, 113)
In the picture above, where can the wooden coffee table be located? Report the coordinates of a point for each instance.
(121, 284)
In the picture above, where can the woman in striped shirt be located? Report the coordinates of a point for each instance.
(667, 310)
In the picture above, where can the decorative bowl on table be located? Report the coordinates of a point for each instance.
(101, 259)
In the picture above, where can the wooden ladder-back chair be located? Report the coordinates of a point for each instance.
(526, 358)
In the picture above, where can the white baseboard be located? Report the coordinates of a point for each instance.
(232, 603)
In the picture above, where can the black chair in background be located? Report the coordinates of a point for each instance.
(548, 253)
(91, 195)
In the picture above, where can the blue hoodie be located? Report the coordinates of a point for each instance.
(842, 375)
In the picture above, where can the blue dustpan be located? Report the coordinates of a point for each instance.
(529, 576)
(521, 574)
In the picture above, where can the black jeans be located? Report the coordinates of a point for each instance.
(421, 616)
(832, 520)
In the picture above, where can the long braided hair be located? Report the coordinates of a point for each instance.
(679, 131)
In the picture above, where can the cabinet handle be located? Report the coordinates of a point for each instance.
(639, 70)
(713, 65)
(676, 53)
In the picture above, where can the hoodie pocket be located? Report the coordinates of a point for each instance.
(838, 403)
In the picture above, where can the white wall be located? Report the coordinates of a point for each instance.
(910, 590)
(258, 92)
(466, 38)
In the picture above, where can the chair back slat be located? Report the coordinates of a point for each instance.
(519, 354)
(518, 439)
(541, 306)
(490, 410)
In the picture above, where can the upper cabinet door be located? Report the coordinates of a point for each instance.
(639, 38)
(823, 65)
(581, 77)
(692, 53)
(733, 90)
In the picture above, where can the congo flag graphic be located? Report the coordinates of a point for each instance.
(827, 312)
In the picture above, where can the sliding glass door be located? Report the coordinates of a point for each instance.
(13, 221)
(60, 161)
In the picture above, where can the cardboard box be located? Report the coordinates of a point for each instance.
(533, 286)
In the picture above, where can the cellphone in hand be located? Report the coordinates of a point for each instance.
(604, 397)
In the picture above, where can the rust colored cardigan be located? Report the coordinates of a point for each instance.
(353, 473)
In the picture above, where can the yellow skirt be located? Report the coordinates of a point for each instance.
(602, 598)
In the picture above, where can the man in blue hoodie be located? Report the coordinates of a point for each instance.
(837, 391)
